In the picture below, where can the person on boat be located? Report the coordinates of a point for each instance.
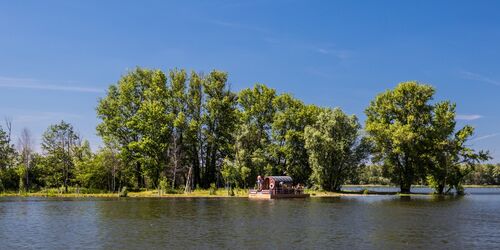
(299, 189)
(259, 183)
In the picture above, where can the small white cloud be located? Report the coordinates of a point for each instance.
(468, 117)
(485, 137)
(28, 83)
(339, 53)
(323, 51)
(239, 26)
(477, 77)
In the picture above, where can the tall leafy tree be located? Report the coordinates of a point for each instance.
(415, 138)
(254, 131)
(59, 142)
(178, 106)
(7, 150)
(194, 140)
(153, 122)
(219, 122)
(7, 157)
(335, 148)
(26, 151)
(134, 116)
(450, 158)
(397, 123)
(288, 143)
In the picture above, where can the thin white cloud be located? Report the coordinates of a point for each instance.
(468, 117)
(339, 53)
(28, 83)
(485, 137)
(477, 77)
(235, 25)
(271, 38)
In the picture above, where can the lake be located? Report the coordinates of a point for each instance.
(374, 222)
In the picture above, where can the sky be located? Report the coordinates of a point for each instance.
(57, 58)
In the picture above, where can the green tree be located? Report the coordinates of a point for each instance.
(398, 123)
(135, 117)
(178, 106)
(372, 174)
(36, 174)
(103, 170)
(288, 143)
(153, 122)
(8, 178)
(229, 173)
(7, 151)
(335, 148)
(486, 174)
(450, 159)
(219, 120)
(194, 140)
(85, 166)
(254, 131)
(25, 151)
(59, 143)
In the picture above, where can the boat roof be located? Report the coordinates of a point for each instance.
(284, 178)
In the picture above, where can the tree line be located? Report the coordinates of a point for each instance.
(189, 130)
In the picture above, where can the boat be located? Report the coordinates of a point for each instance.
(277, 187)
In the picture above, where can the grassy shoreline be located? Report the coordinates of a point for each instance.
(220, 193)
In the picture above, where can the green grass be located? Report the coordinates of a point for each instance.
(221, 192)
(147, 193)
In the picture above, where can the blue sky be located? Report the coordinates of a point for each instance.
(58, 57)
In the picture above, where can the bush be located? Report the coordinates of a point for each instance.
(164, 187)
(91, 191)
(213, 189)
(124, 192)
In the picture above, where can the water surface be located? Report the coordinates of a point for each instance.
(376, 222)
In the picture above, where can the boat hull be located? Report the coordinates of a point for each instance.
(268, 195)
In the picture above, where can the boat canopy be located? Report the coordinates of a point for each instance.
(277, 179)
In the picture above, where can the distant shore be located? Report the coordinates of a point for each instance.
(223, 193)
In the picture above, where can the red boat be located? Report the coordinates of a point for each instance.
(277, 187)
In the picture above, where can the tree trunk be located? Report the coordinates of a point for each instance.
(213, 169)
(196, 173)
(66, 169)
(405, 187)
(189, 181)
(208, 168)
(440, 189)
(27, 180)
(138, 175)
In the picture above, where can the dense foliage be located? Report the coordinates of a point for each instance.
(179, 130)
(336, 151)
(416, 139)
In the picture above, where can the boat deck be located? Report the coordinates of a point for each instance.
(275, 194)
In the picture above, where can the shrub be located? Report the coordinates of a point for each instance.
(213, 189)
(124, 192)
(164, 187)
